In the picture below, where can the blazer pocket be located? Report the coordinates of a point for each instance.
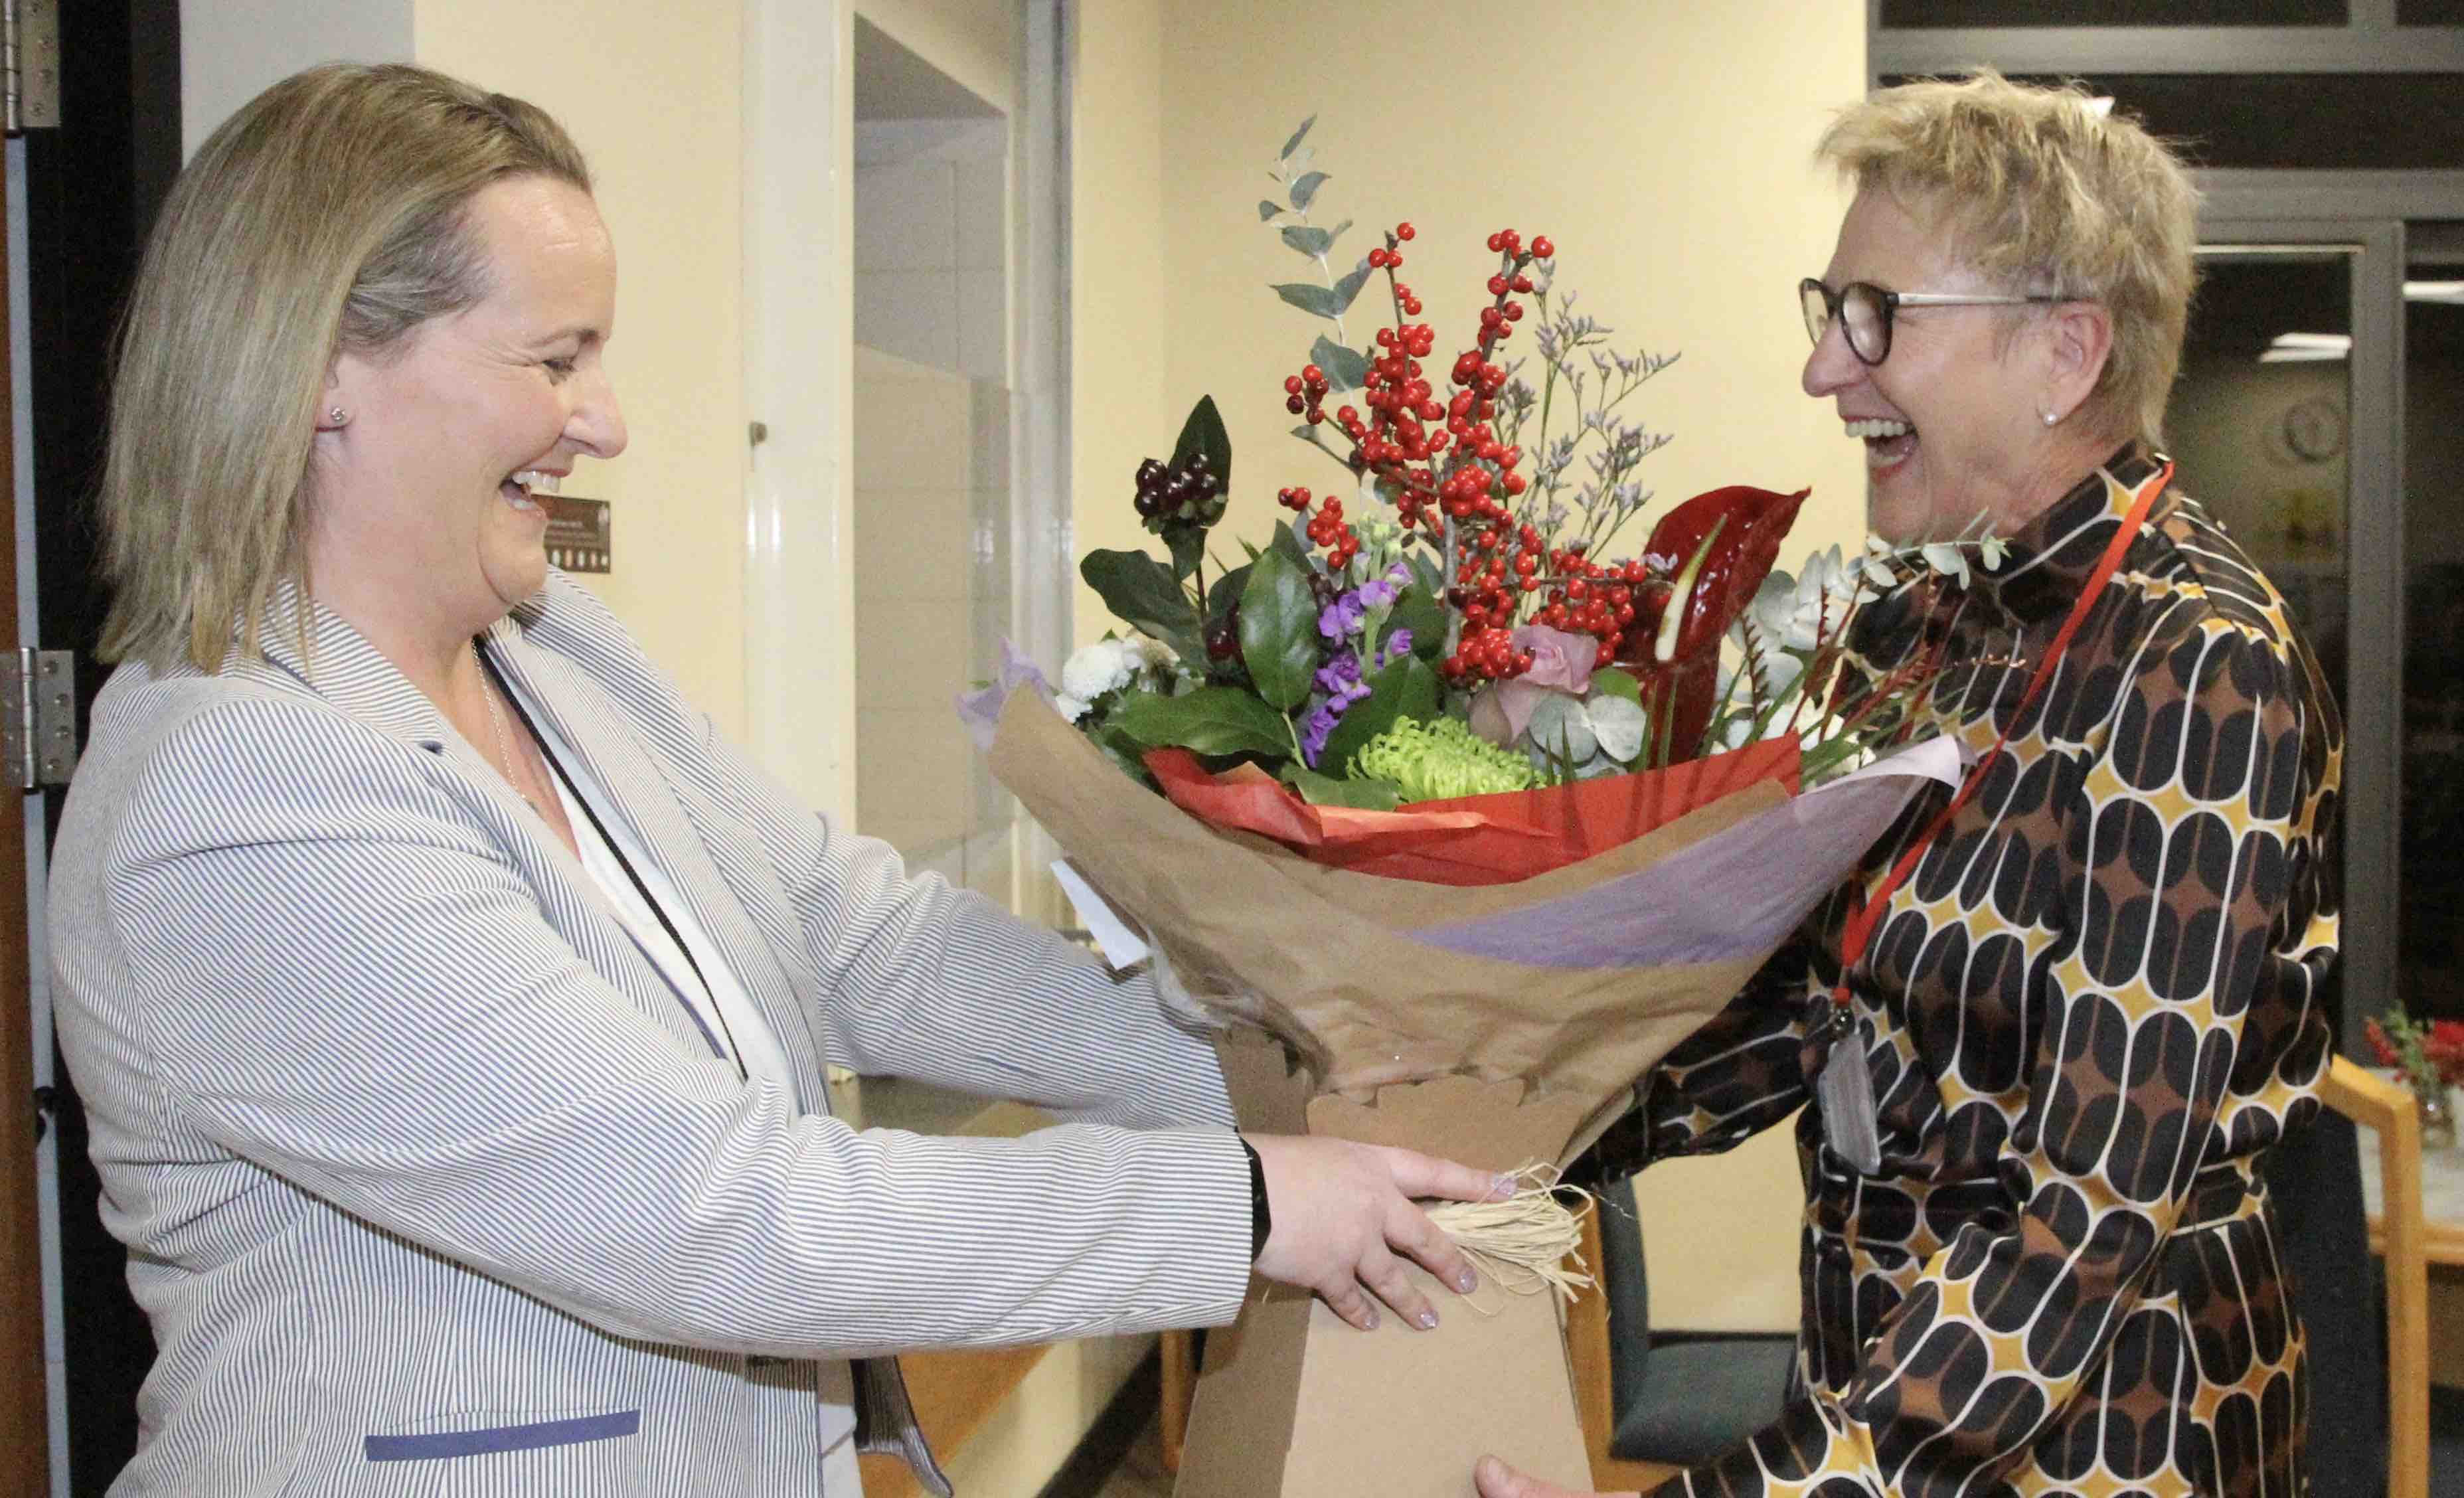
(436, 1446)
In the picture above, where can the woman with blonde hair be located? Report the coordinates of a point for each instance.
(451, 1000)
(2041, 1039)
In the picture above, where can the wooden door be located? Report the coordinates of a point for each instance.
(24, 1467)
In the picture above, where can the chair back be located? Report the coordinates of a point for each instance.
(2371, 1100)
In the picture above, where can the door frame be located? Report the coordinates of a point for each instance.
(2372, 793)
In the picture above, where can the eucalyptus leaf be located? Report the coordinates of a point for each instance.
(1608, 681)
(1321, 790)
(1309, 241)
(1210, 720)
(1203, 433)
(1403, 689)
(1348, 289)
(1304, 188)
(1299, 135)
(1307, 433)
(1620, 724)
(1279, 630)
(1321, 300)
(1141, 591)
(1267, 208)
(1561, 729)
(1346, 369)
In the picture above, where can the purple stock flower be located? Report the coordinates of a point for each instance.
(1340, 620)
(1398, 645)
(1379, 591)
(1314, 732)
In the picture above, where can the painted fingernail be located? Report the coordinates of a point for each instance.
(1428, 1320)
(1467, 1282)
(1369, 1323)
(1501, 1186)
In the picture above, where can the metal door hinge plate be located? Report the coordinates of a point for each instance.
(30, 54)
(38, 742)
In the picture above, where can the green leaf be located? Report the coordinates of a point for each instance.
(1403, 689)
(1425, 571)
(1320, 300)
(1608, 681)
(1294, 144)
(1267, 208)
(1305, 190)
(1210, 720)
(1188, 550)
(1203, 433)
(1289, 545)
(1320, 790)
(1141, 591)
(1310, 242)
(1417, 608)
(1123, 751)
(1225, 590)
(1279, 630)
(1307, 433)
(1346, 369)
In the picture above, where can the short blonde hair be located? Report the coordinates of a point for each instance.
(328, 214)
(2047, 194)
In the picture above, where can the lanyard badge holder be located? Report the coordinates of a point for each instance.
(1845, 1092)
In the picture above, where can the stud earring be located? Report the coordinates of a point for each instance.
(2050, 418)
(336, 416)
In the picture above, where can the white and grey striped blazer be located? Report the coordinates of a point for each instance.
(430, 1184)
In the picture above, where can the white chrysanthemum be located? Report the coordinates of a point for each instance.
(1104, 666)
(1070, 708)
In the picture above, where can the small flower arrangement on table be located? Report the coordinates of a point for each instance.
(2427, 1058)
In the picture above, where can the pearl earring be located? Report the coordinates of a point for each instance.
(2050, 418)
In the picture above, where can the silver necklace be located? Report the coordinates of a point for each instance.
(497, 721)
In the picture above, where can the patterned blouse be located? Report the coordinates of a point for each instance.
(2085, 1013)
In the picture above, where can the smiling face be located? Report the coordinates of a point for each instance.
(423, 516)
(1951, 419)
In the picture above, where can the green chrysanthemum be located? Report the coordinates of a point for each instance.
(1438, 760)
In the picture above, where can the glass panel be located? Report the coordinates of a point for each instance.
(2431, 955)
(2391, 122)
(1899, 13)
(2259, 424)
(932, 419)
(2429, 12)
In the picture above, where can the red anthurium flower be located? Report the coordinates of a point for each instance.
(1743, 527)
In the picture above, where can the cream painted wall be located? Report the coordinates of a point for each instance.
(670, 186)
(1664, 147)
(1122, 407)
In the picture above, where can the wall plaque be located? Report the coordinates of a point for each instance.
(580, 537)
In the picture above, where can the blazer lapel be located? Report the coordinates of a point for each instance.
(601, 732)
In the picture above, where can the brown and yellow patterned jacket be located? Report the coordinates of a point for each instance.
(2085, 1013)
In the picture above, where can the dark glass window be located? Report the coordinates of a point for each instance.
(2429, 12)
(2432, 944)
(1898, 15)
(2386, 122)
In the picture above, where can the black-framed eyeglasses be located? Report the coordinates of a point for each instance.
(1865, 311)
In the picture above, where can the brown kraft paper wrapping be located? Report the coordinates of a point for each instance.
(1495, 1063)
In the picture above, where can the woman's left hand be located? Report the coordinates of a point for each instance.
(1497, 1480)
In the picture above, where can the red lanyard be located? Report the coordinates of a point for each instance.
(1860, 925)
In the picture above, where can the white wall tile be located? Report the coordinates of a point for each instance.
(905, 535)
(983, 324)
(910, 425)
(906, 217)
(912, 314)
(981, 198)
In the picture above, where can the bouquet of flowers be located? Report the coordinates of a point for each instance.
(2429, 1057)
(1464, 820)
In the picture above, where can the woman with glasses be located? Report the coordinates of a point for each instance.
(2037, 1045)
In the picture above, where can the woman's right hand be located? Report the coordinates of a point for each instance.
(1340, 1214)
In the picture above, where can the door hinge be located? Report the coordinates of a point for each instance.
(38, 742)
(29, 52)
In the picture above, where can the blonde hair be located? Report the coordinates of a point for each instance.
(2049, 195)
(329, 214)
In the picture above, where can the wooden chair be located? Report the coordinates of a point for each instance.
(2386, 1107)
(1587, 1352)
